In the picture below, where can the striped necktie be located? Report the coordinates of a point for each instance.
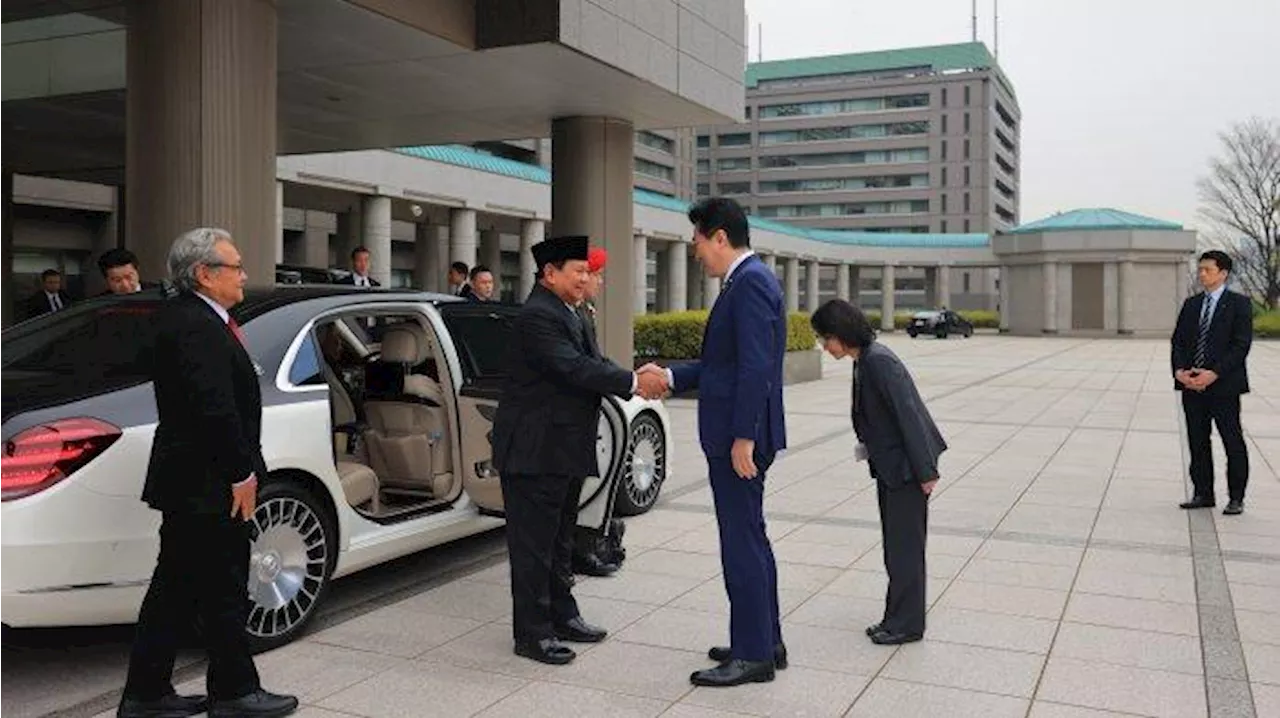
(1202, 339)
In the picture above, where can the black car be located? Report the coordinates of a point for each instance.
(940, 323)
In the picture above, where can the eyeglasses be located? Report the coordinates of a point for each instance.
(237, 267)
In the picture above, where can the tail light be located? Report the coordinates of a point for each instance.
(43, 455)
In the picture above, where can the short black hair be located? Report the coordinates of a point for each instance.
(361, 249)
(117, 257)
(478, 270)
(714, 213)
(844, 321)
(459, 267)
(1219, 257)
(50, 273)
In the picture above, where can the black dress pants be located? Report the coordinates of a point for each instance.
(542, 513)
(203, 570)
(1202, 409)
(904, 519)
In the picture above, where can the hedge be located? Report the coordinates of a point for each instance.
(678, 335)
(1267, 324)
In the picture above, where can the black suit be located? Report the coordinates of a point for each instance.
(208, 439)
(903, 446)
(465, 291)
(38, 303)
(350, 279)
(1226, 348)
(544, 446)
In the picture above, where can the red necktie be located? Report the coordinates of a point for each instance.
(236, 330)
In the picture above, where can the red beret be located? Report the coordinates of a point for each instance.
(596, 258)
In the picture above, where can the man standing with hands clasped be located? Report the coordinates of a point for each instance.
(1210, 346)
(741, 428)
(544, 447)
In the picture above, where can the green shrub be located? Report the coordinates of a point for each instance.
(982, 319)
(900, 319)
(1267, 325)
(678, 335)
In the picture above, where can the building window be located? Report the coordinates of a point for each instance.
(967, 287)
(844, 184)
(704, 141)
(656, 141)
(733, 164)
(966, 149)
(704, 166)
(944, 97)
(746, 112)
(843, 107)
(944, 203)
(943, 226)
(966, 95)
(822, 159)
(655, 170)
(787, 211)
(703, 189)
(944, 123)
(944, 151)
(966, 202)
(738, 139)
(966, 121)
(942, 177)
(966, 175)
(966, 226)
(848, 132)
(734, 187)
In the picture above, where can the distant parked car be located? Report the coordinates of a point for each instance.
(940, 323)
(298, 274)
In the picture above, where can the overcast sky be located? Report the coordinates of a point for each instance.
(1121, 100)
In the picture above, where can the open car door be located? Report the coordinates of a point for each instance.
(481, 334)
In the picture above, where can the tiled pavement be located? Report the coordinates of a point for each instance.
(1064, 581)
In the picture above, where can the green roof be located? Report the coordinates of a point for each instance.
(938, 58)
(463, 156)
(1093, 219)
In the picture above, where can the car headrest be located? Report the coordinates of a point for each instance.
(400, 345)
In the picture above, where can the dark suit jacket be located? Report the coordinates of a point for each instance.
(547, 419)
(210, 408)
(142, 287)
(38, 303)
(587, 311)
(903, 444)
(350, 280)
(739, 375)
(465, 291)
(1230, 336)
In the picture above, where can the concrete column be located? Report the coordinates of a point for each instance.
(944, 286)
(855, 282)
(279, 221)
(105, 239)
(201, 127)
(531, 232)
(710, 291)
(315, 241)
(1124, 297)
(8, 297)
(1050, 282)
(438, 249)
(792, 290)
(677, 256)
(812, 277)
(693, 290)
(842, 281)
(462, 237)
(424, 268)
(888, 285)
(377, 237)
(491, 256)
(1003, 309)
(350, 232)
(641, 248)
(592, 173)
(930, 287)
(771, 261)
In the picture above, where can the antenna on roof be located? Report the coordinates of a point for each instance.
(995, 12)
(975, 20)
(760, 42)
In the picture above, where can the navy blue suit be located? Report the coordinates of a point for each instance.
(739, 383)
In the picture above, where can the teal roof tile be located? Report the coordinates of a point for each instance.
(463, 156)
(1094, 219)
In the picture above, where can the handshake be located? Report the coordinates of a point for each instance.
(651, 382)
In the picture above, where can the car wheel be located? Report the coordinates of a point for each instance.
(644, 468)
(293, 549)
(912, 333)
(968, 332)
(940, 332)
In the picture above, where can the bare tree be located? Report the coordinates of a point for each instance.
(1241, 200)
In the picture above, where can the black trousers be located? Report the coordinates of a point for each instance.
(203, 570)
(904, 520)
(1202, 409)
(542, 513)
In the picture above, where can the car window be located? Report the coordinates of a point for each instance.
(481, 339)
(109, 337)
(305, 370)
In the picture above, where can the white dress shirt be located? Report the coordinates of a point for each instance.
(54, 300)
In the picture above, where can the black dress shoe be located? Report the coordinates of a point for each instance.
(259, 704)
(548, 650)
(734, 673)
(873, 629)
(1234, 507)
(591, 565)
(171, 706)
(1198, 502)
(891, 638)
(579, 631)
(720, 654)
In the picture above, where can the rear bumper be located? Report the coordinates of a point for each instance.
(98, 606)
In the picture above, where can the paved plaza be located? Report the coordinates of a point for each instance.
(1064, 580)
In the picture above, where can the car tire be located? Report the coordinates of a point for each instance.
(940, 332)
(912, 333)
(294, 542)
(968, 332)
(644, 467)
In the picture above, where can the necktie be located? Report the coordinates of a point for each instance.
(55, 301)
(237, 331)
(1202, 339)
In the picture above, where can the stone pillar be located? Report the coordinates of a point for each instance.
(279, 222)
(491, 257)
(350, 231)
(771, 261)
(315, 241)
(812, 279)
(677, 256)
(438, 248)
(592, 173)
(1005, 272)
(792, 290)
(376, 211)
(1125, 296)
(710, 290)
(842, 281)
(930, 287)
(693, 290)
(462, 237)
(888, 287)
(105, 239)
(641, 248)
(1050, 281)
(425, 276)
(8, 297)
(201, 127)
(855, 284)
(944, 286)
(531, 232)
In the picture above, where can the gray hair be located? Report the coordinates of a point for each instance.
(191, 249)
